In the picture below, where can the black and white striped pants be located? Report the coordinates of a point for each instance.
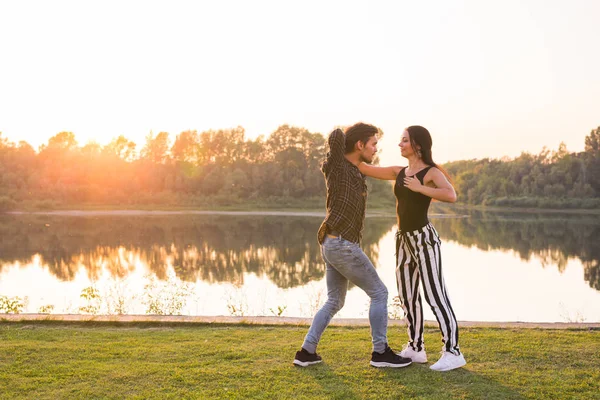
(419, 261)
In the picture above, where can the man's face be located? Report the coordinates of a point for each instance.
(369, 149)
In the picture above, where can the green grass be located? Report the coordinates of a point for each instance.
(50, 360)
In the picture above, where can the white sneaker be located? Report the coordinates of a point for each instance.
(416, 356)
(449, 361)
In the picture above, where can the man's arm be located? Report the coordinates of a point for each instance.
(384, 173)
(337, 145)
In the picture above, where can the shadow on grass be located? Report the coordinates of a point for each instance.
(333, 384)
(418, 380)
(414, 381)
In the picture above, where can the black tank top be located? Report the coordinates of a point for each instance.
(411, 207)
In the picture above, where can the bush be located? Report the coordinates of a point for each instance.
(543, 202)
(7, 204)
(590, 203)
(11, 305)
(46, 204)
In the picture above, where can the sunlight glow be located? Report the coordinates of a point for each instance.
(487, 79)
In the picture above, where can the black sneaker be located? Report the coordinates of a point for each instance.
(389, 359)
(304, 358)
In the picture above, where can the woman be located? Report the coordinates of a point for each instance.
(418, 245)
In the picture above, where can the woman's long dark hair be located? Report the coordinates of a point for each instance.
(420, 141)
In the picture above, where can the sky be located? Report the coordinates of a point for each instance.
(487, 78)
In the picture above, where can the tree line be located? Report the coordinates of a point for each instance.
(550, 179)
(224, 168)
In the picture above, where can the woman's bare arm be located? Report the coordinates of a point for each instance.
(441, 189)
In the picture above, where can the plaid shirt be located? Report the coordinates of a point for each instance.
(346, 192)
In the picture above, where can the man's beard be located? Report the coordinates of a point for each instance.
(364, 159)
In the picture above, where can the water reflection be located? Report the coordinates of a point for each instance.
(551, 238)
(222, 248)
(209, 248)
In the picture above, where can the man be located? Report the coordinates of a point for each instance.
(339, 237)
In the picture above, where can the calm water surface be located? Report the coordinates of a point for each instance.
(498, 266)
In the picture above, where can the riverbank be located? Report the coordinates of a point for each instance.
(261, 209)
(272, 320)
(286, 213)
(465, 208)
(50, 359)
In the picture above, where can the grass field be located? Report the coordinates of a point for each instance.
(52, 360)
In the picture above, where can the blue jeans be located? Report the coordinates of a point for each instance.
(346, 262)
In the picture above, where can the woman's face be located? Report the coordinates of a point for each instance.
(406, 149)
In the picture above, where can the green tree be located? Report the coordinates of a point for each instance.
(62, 141)
(91, 149)
(186, 147)
(4, 142)
(122, 148)
(156, 149)
(222, 147)
(255, 150)
(592, 142)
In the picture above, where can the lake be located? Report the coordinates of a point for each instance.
(498, 266)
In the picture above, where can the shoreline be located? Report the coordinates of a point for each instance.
(437, 210)
(591, 211)
(271, 320)
(75, 213)
(458, 212)
(320, 214)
